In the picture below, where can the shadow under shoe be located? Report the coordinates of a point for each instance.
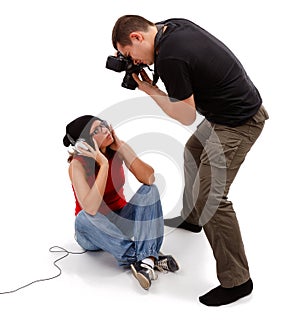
(180, 223)
(143, 273)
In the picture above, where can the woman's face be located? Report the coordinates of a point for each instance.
(101, 133)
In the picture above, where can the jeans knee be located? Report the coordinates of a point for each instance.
(151, 191)
(80, 220)
(145, 189)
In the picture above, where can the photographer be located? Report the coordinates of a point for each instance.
(202, 75)
(131, 231)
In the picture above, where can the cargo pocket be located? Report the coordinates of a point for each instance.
(261, 115)
(221, 156)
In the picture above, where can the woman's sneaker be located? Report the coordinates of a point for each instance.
(166, 263)
(144, 273)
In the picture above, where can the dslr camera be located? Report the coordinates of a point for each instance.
(121, 63)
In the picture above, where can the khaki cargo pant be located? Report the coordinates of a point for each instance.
(212, 158)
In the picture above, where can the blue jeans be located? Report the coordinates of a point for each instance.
(131, 234)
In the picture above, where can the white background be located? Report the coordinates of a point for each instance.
(52, 70)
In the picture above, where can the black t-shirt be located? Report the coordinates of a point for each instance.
(192, 61)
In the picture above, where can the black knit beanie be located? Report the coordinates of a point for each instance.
(79, 128)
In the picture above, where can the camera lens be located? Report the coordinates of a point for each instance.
(116, 64)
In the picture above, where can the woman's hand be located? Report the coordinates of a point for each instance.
(117, 142)
(94, 153)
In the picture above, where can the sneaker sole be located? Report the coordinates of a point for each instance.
(144, 282)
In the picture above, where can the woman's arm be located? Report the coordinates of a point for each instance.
(143, 172)
(89, 198)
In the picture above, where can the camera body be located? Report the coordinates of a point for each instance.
(121, 63)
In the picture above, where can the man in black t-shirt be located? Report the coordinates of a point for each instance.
(202, 75)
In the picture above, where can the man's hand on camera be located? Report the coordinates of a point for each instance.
(145, 76)
(145, 84)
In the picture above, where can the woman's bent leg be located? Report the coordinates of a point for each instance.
(142, 217)
(98, 232)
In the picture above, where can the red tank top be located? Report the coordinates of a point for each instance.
(113, 198)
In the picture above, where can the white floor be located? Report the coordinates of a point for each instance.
(52, 65)
(94, 295)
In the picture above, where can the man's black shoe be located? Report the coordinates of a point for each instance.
(179, 222)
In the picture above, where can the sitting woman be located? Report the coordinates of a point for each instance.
(131, 231)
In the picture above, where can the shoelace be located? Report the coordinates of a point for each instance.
(150, 271)
(162, 265)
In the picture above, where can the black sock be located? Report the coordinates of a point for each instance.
(179, 222)
(221, 296)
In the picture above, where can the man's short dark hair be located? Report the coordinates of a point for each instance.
(125, 25)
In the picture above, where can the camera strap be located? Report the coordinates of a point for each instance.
(158, 36)
(157, 40)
